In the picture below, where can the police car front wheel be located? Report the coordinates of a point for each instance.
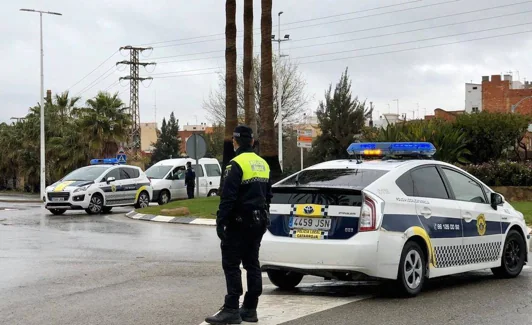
(513, 256)
(95, 205)
(412, 270)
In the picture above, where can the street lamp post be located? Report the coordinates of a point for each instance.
(43, 165)
(279, 87)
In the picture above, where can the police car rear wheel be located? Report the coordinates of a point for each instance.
(284, 279)
(95, 205)
(412, 269)
(513, 256)
(57, 212)
(213, 193)
(143, 201)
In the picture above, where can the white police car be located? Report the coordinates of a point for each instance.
(405, 219)
(99, 187)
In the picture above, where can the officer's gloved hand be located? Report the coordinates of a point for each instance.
(220, 231)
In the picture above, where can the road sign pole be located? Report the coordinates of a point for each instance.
(197, 165)
(301, 158)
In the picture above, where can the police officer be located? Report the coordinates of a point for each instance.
(242, 220)
(190, 180)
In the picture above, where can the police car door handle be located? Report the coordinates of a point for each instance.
(426, 212)
(467, 217)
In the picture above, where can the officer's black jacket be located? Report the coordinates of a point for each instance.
(239, 199)
(190, 178)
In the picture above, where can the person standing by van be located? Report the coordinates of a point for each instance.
(190, 180)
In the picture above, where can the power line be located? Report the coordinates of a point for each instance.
(326, 23)
(187, 75)
(96, 81)
(414, 41)
(182, 71)
(290, 23)
(109, 58)
(417, 48)
(374, 15)
(408, 31)
(416, 21)
(362, 30)
(111, 85)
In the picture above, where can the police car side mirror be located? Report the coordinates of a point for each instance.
(110, 179)
(496, 200)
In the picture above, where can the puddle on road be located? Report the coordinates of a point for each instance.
(8, 209)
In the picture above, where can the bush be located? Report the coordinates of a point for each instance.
(502, 173)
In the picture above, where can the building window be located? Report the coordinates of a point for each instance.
(475, 88)
(475, 109)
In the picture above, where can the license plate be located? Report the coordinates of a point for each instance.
(310, 223)
(58, 199)
(308, 234)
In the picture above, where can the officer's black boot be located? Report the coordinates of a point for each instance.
(249, 315)
(225, 316)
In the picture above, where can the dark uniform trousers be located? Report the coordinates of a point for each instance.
(242, 246)
(190, 192)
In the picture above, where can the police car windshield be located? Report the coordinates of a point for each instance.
(89, 173)
(346, 178)
(157, 172)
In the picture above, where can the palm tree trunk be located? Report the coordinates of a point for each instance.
(268, 143)
(231, 99)
(249, 93)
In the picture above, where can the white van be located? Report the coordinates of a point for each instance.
(168, 178)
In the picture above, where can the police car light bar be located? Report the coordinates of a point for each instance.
(392, 148)
(105, 161)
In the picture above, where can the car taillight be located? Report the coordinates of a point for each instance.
(368, 216)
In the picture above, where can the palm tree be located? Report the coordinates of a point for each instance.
(268, 144)
(65, 106)
(104, 124)
(249, 93)
(231, 97)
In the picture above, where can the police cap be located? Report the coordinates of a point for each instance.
(243, 131)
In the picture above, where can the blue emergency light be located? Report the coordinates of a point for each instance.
(105, 161)
(380, 149)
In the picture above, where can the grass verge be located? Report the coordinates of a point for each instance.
(526, 209)
(201, 207)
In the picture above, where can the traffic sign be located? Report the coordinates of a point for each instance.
(196, 149)
(121, 156)
(304, 138)
(196, 146)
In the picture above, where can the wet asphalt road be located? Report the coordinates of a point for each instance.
(79, 269)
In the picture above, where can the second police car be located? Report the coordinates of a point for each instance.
(406, 219)
(99, 187)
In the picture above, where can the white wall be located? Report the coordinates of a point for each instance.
(473, 97)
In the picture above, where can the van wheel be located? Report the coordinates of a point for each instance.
(213, 193)
(513, 256)
(164, 197)
(412, 270)
(143, 200)
(284, 279)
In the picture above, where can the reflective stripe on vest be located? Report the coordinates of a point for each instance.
(254, 168)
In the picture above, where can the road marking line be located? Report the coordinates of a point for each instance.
(276, 307)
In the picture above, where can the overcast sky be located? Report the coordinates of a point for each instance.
(408, 65)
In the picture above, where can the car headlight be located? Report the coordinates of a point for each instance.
(81, 189)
